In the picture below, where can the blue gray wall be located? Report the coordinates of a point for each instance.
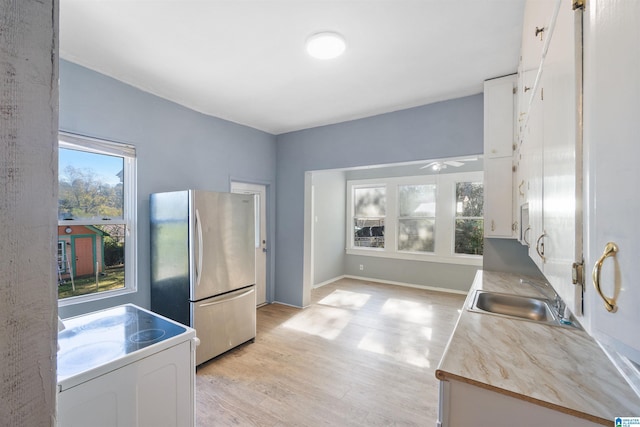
(443, 129)
(177, 148)
(510, 256)
(329, 225)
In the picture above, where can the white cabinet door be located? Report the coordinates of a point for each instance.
(535, 30)
(532, 157)
(155, 391)
(612, 152)
(498, 117)
(466, 405)
(498, 177)
(498, 151)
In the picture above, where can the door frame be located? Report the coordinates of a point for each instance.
(269, 217)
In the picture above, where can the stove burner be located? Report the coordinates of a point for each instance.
(116, 320)
(147, 335)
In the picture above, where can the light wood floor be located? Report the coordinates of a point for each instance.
(363, 354)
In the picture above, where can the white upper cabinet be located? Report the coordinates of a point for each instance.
(612, 174)
(535, 31)
(498, 117)
(498, 157)
(562, 226)
(548, 153)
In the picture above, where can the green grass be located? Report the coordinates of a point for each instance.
(113, 278)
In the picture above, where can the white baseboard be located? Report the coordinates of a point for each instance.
(284, 303)
(408, 285)
(326, 282)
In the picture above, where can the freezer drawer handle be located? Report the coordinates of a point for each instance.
(227, 300)
(199, 232)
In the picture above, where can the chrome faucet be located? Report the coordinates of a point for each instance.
(546, 290)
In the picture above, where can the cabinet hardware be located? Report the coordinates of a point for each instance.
(610, 249)
(539, 31)
(578, 4)
(526, 89)
(524, 236)
(540, 247)
(577, 273)
(514, 226)
(520, 188)
(493, 225)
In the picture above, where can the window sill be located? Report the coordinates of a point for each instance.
(93, 297)
(474, 260)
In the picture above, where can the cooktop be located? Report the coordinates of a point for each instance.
(95, 339)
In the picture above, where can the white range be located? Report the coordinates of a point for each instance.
(126, 366)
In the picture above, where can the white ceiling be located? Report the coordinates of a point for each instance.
(244, 60)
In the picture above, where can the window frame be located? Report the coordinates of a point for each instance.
(372, 184)
(444, 250)
(129, 215)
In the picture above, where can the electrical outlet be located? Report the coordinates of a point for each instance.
(361, 267)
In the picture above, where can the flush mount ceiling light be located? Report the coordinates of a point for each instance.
(326, 45)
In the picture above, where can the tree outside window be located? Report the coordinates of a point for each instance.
(417, 217)
(469, 228)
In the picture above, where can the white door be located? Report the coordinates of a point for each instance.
(260, 193)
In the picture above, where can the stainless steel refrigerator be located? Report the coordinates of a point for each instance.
(203, 266)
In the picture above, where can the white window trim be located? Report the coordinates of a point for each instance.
(445, 218)
(128, 152)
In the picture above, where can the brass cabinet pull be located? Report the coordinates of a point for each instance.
(524, 235)
(538, 245)
(610, 249)
(520, 188)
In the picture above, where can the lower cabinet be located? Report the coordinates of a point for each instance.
(155, 391)
(466, 405)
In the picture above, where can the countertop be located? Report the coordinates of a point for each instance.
(560, 368)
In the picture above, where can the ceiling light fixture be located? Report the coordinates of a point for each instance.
(326, 45)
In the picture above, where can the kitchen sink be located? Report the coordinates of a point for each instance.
(516, 307)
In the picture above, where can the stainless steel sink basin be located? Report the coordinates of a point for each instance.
(531, 309)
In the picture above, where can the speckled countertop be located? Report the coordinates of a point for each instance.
(559, 368)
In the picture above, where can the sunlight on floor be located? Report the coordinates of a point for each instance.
(325, 322)
(411, 350)
(409, 311)
(345, 299)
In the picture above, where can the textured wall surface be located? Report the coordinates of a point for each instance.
(28, 204)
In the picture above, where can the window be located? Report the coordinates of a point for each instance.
(417, 217)
(434, 218)
(469, 220)
(370, 206)
(96, 219)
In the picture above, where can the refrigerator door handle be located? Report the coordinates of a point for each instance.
(199, 233)
(222, 300)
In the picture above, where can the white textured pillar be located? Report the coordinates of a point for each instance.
(28, 205)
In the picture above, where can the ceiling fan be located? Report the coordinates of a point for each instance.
(439, 165)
